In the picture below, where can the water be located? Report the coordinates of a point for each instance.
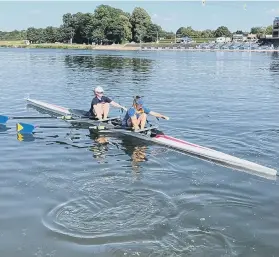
(65, 192)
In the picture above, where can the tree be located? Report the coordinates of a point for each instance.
(152, 32)
(32, 34)
(255, 30)
(188, 32)
(239, 32)
(207, 33)
(140, 20)
(68, 27)
(168, 35)
(222, 32)
(269, 30)
(51, 34)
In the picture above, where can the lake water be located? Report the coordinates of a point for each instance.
(63, 192)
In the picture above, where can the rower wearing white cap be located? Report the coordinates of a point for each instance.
(100, 104)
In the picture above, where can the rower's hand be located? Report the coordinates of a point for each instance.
(165, 117)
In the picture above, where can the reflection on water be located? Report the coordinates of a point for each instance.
(108, 63)
(26, 137)
(103, 67)
(274, 65)
(3, 128)
(99, 147)
(136, 149)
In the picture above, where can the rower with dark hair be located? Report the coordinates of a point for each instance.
(137, 114)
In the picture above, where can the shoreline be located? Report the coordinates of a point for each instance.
(125, 47)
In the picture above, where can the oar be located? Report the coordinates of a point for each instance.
(4, 119)
(25, 128)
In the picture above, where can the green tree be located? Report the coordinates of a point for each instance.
(32, 35)
(256, 30)
(222, 32)
(207, 33)
(140, 20)
(68, 27)
(239, 32)
(187, 32)
(51, 34)
(152, 32)
(268, 30)
(168, 35)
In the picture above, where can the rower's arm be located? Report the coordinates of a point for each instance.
(158, 115)
(118, 105)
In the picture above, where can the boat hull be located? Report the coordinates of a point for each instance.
(210, 154)
(56, 109)
(181, 145)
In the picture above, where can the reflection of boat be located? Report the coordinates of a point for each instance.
(3, 128)
(153, 135)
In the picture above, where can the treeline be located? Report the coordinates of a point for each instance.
(106, 25)
(221, 31)
(13, 35)
(109, 25)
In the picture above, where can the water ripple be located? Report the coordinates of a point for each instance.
(113, 216)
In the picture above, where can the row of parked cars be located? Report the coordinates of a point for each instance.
(235, 46)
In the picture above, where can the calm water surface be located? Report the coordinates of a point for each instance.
(64, 192)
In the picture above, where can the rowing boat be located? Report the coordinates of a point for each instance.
(153, 135)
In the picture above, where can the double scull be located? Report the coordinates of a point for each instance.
(153, 135)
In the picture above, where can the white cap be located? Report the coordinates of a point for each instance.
(99, 89)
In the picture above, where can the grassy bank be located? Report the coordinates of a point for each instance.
(124, 47)
(128, 46)
(11, 43)
(21, 44)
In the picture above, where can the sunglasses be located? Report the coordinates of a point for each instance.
(99, 92)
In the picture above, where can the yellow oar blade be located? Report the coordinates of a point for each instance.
(24, 128)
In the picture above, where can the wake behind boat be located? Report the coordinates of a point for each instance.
(153, 135)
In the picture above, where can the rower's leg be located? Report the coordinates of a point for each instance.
(98, 110)
(129, 123)
(142, 120)
(105, 110)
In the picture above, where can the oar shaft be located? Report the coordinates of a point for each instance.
(54, 127)
(31, 117)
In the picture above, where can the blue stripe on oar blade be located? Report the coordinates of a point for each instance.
(3, 119)
(24, 128)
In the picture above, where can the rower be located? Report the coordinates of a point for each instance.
(100, 105)
(137, 114)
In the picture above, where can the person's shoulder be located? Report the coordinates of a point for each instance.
(146, 109)
(107, 99)
(131, 111)
(94, 99)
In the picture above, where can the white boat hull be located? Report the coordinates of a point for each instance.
(211, 154)
(193, 149)
(49, 107)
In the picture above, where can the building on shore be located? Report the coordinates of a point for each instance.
(274, 39)
(275, 27)
(238, 38)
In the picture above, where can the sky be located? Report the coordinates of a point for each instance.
(170, 15)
